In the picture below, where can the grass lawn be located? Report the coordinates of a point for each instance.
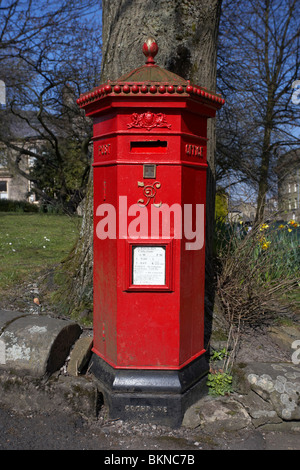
(29, 243)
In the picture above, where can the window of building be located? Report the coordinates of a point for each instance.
(3, 159)
(3, 190)
(31, 161)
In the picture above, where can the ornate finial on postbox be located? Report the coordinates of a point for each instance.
(150, 49)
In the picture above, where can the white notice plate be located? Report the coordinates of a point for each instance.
(148, 265)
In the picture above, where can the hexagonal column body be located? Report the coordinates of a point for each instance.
(149, 184)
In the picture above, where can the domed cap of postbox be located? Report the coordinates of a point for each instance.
(151, 73)
(152, 80)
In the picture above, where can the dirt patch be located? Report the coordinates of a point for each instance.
(259, 346)
(30, 296)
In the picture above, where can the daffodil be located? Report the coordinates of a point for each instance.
(289, 230)
(281, 226)
(264, 244)
(263, 227)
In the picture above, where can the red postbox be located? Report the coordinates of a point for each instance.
(150, 138)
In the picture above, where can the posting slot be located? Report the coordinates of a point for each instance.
(149, 146)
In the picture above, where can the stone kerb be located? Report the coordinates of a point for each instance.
(35, 345)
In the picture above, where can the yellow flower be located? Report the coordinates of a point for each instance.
(281, 226)
(264, 227)
(264, 244)
(292, 222)
(289, 230)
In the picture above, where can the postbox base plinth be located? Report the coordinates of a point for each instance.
(156, 396)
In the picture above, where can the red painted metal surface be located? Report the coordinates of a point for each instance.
(149, 117)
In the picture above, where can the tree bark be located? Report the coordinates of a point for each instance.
(186, 33)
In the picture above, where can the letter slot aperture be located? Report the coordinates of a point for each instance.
(149, 146)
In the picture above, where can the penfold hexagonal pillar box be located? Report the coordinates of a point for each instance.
(150, 139)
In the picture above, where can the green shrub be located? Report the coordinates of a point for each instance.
(219, 383)
(8, 205)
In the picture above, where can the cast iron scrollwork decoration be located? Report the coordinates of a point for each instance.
(149, 193)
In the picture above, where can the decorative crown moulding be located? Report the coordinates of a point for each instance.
(148, 89)
(152, 80)
(149, 79)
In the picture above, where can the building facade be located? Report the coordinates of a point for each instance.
(13, 185)
(288, 172)
(17, 137)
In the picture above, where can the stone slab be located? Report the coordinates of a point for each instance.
(80, 355)
(37, 345)
(261, 411)
(8, 316)
(279, 384)
(284, 336)
(215, 414)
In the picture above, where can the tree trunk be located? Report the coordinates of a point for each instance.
(186, 33)
(264, 174)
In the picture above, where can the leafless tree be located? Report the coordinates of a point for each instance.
(48, 57)
(259, 59)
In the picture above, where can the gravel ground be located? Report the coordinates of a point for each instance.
(60, 431)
